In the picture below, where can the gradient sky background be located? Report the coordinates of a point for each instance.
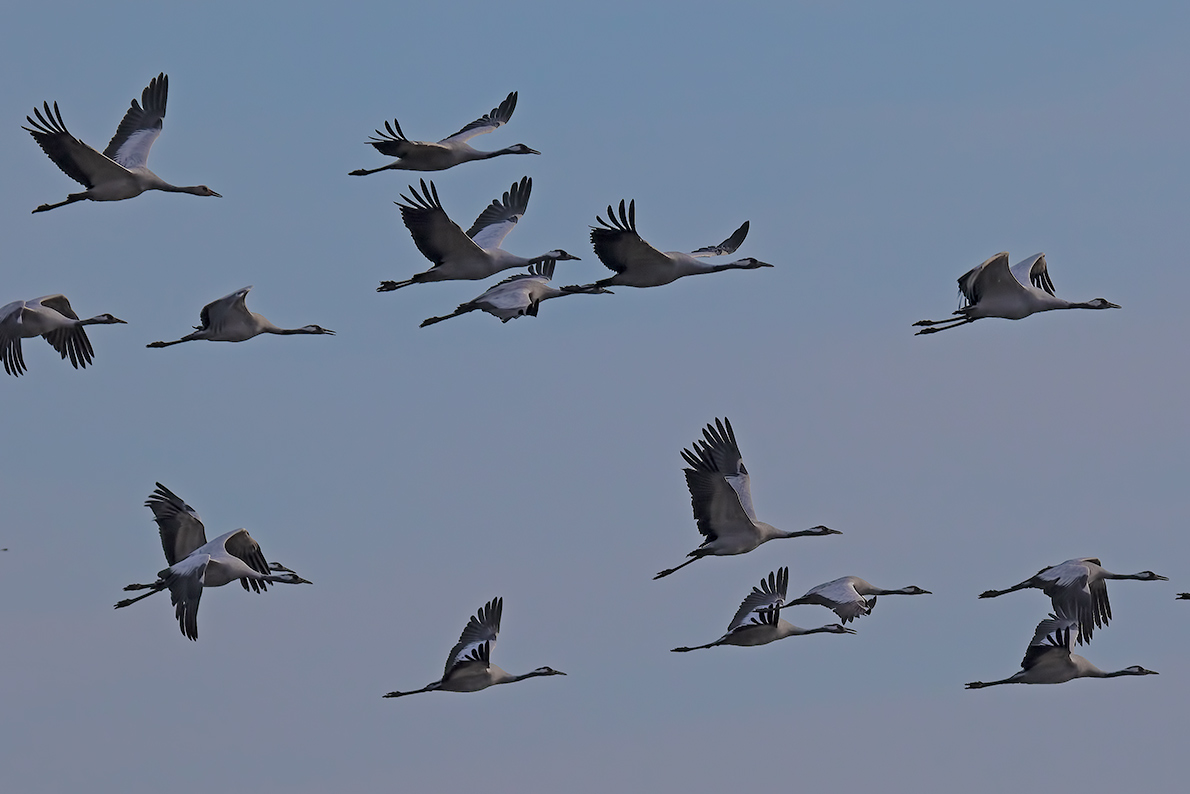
(879, 150)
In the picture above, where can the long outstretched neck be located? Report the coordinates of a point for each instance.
(194, 190)
(830, 628)
(1125, 671)
(1144, 576)
(801, 533)
(532, 674)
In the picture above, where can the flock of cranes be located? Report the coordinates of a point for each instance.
(717, 479)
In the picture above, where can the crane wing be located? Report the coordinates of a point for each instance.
(77, 160)
(1054, 635)
(618, 245)
(719, 452)
(760, 602)
(435, 235)
(728, 246)
(216, 314)
(71, 341)
(1033, 271)
(500, 217)
(989, 277)
(181, 529)
(716, 505)
(140, 126)
(478, 637)
(241, 544)
(185, 583)
(498, 117)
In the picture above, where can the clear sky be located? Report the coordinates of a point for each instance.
(879, 151)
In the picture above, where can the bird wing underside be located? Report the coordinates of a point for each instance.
(478, 637)
(140, 126)
(1075, 596)
(983, 278)
(181, 529)
(716, 505)
(218, 314)
(718, 452)
(394, 143)
(58, 303)
(240, 544)
(1034, 271)
(757, 606)
(434, 233)
(728, 246)
(76, 159)
(72, 341)
(501, 216)
(185, 591)
(619, 246)
(1053, 635)
(498, 117)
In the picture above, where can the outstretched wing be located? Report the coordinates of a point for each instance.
(618, 245)
(435, 235)
(991, 275)
(181, 529)
(728, 246)
(140, 126)
(1054, 635)
(77, 160)
(72, 340)
(240, 544)
(760, 602)
(1033, 271)
(185, 583)
(11, 316)
(478, 637)
(498, 117)
(719, 452)
(716, 505)
(495, 222)
(216, 314)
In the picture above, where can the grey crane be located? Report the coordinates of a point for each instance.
(638, 264)
(121, 171)
(228, 320)
(51, 317)
(1048, 659)
(518, 295)
(469, 667)
(758, 620)
(850, 597)
(1078, 589)
(468, 256)
(195, 564)
(992, 289)
(446, 153)
(721, 497)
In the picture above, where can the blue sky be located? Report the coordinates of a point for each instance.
(879, 152)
